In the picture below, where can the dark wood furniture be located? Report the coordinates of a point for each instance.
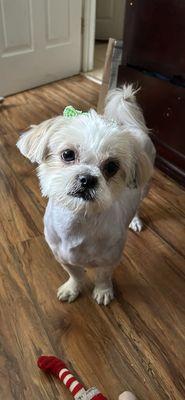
(154, 58)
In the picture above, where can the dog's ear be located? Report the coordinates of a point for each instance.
(33, 143)
(141, 171)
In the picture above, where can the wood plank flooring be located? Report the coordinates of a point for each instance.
(138, 342)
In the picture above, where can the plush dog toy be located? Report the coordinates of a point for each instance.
(55, 366)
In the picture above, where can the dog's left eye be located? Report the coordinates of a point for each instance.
(68, 155)
(110, 168)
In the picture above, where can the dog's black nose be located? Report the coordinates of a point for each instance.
(88, 181)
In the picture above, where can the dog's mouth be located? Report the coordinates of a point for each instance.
(86, 195)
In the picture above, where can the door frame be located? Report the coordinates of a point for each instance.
(88, 34)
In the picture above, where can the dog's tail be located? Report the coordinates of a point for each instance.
(121, 105)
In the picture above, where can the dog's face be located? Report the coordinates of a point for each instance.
(85, 162)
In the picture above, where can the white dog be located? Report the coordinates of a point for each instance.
(95, 170)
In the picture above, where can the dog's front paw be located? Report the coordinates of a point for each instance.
(103, 296)
(136, 224)
(69, 291)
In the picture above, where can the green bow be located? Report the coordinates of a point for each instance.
(70, 111)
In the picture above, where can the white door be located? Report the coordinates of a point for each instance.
(40, 41)
(109, 19)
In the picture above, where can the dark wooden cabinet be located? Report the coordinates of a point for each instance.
(154, 58)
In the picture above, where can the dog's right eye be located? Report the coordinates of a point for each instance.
(68, 155)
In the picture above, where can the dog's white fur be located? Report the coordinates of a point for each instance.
(85, 233)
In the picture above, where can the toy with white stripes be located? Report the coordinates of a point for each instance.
(57, 367)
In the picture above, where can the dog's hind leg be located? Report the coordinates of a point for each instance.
(136, 224)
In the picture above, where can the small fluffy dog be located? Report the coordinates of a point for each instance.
(95, 170)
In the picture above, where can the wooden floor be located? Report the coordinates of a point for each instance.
(136, 343)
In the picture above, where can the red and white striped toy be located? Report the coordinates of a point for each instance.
(55, 366)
